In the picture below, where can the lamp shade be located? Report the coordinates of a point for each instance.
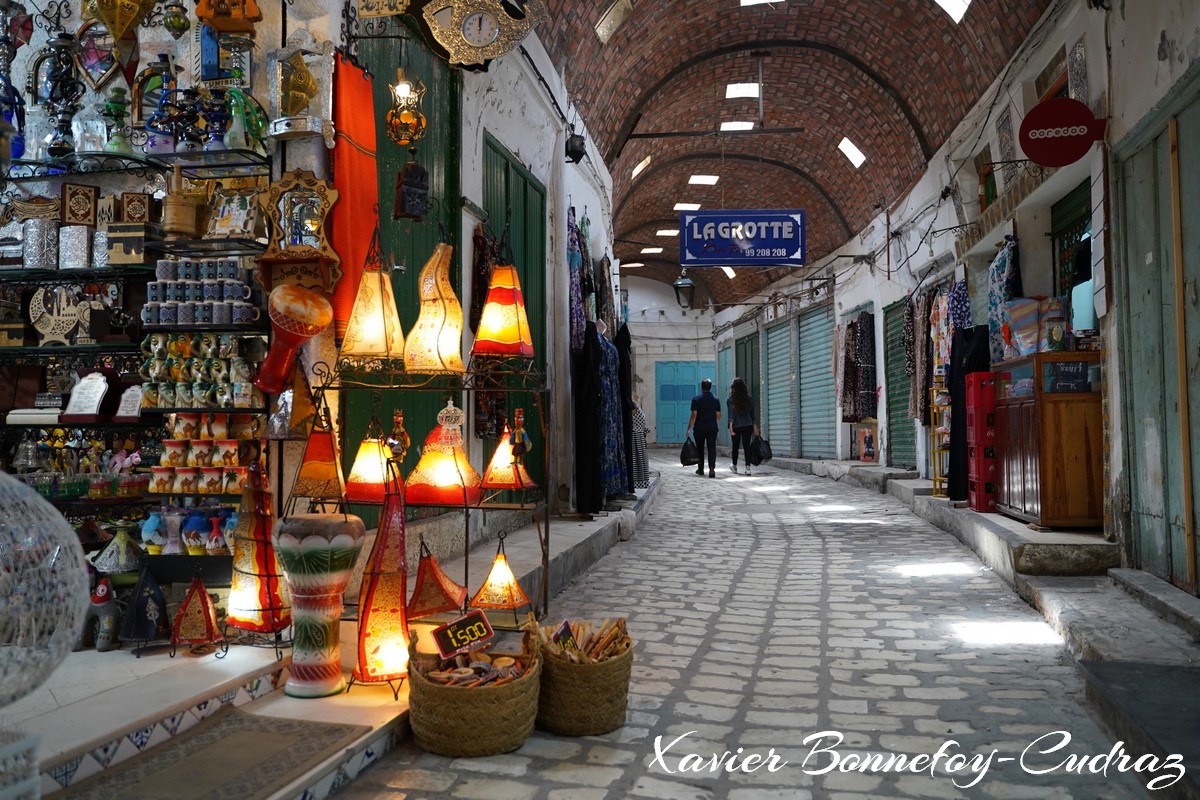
(320, 473)
(501, 589)
(196, 619)
(444, 476)
(259, 600)
(382, 623)
(435, 592)
(503, 324)
(434, 345)
(505, 471)
(368, 476)
(374, 328)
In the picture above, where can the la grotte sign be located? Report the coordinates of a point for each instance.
(742, 238)
(1059, 131)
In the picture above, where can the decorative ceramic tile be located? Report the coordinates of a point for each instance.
(87, 768)
(173, 722)
(225, 697)
(64, 772)
(105, 754)
(141, 736)
(160, 736)
(189, 721)
(255, 687)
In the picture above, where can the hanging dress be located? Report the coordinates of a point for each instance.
(641, 464)
(611, 431)
(585, 391)
(575, 264)
(1003, 285)
(624, 344)
(587, 276)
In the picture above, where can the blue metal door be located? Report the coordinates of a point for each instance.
(778, 422)
(675, 384)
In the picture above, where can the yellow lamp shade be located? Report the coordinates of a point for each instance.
(382, 624)
(434, 345)
(374, 328)
(368, 476)
(320, 473)
(503, 324)
(501, 589)
(444, 476)
(504, 472)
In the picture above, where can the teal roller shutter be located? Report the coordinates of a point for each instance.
(901, 432)
(724, 379)
(778, 389)
(818, 423)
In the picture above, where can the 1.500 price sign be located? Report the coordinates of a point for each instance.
(462, 634)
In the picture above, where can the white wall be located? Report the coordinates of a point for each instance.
(1150, 52)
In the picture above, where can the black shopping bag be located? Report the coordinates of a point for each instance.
(764, 451)
(689, 456)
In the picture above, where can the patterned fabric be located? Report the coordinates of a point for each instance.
(850, 374)
(909, 338)
(605, 303)
(1003, 285)
(641, 464)
(587, 277)
(610, 431)
(960, 306)
(483, 259)
(868, 397)
(918, 398)
(941, 331)
(575, 264)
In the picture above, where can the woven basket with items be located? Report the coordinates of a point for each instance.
(478, 704)
(585, 677)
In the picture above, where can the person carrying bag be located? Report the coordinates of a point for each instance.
(689, 456)
(742, 424)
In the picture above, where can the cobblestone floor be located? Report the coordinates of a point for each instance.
(768, 609)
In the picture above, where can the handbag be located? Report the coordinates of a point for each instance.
(760, 451)
(764, 451)
(689, 456)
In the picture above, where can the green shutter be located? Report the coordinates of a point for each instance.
(901, 431)
(818, 423)
(725, 377)
(778, 417)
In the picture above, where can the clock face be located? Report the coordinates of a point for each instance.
(480, 28)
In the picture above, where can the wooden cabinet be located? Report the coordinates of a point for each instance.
(1049, 439)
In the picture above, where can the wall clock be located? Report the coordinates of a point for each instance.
(476, 31)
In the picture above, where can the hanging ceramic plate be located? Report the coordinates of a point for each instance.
(100, 56)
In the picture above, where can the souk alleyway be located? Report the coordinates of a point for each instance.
(769, 608)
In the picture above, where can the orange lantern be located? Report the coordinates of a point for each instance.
(259, 600)
(507, 470)
(501, 589)
(382, 624)
(444, 476)
(369, 475)
(373, 331)
(320, 474)
(435, 591)
(503, 324)
(434, 345)
(196, 619)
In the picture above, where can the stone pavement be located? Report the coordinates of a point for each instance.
(771, 608)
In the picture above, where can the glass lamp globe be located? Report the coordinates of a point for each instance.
(43, 589)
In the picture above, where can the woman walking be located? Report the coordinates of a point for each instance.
(742, 423)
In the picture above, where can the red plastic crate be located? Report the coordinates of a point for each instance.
(981, 495)
(983, 469)
(977, 451)
(981, 390)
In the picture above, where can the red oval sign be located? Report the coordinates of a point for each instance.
(1059, 131)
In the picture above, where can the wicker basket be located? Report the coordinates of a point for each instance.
(584, 699)
(483, 721)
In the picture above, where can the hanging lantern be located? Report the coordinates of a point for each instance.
(374, 329)
(320, 475)
(434, 345)
(507, 468)
(503, 325)
(444, 476)
(501, 589)
(258, 596)
(196, 619)
(435, 591)
(405, 120)
(175, 19)
(369, 475)
(382, 624)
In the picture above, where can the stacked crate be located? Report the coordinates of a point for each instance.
(981, 441)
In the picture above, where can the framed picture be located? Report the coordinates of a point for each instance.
(234, 214)
(135, 207)
(79, 204)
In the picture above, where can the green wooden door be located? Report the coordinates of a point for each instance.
(901, 432)
(746, 366)
(779, 420)
(1189, 176)
(725, 377)
(509, 187)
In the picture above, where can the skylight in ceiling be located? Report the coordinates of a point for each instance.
(736, 90)
(631, 264)
(645, 162)
(729, 273)
(704, 180)
(667, 232)
(853, 153)
(955, 8)
(612, 19)
(687, 206)
(737, 126)
(759, 2)
(651, 251)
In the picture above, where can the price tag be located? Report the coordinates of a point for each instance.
(564, 637)
(462, 634)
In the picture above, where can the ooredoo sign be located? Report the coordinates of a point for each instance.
(1059, 131)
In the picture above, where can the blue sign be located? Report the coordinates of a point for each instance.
(741, 238)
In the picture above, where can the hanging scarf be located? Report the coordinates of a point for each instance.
(575, 264)
(587, 278)
(605, 302)
(483, 259)
(868, 397)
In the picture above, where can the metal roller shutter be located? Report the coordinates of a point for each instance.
(818, 422)
(724, 378)
(779, 422)
(901, 432)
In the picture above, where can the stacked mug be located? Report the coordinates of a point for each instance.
(205, 455)
(197, 370)
(211, 291)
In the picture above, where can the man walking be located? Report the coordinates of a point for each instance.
(705, 419)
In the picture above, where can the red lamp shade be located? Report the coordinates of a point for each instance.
(435, 592)
(196, 619)
(320, 473)
(258, 595)
(503, 324)
(444, 476)
(368, 476)
(382, 624)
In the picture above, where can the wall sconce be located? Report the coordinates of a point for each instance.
(434, 592)
(434, 345)
(196, 620)
(444, 476)
(405, 120)
(300, 88)
(576, 146)
(373, 332)
(368, 477)
(320, 475)
(175, 19)
(382, 624)
(501, 589)
(503, 324)
(507, 468)
(685, 290)
(259, 600)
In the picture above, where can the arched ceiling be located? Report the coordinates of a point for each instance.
(895, 76)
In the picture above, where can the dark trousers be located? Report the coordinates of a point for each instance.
(743, 435)
(707, 439)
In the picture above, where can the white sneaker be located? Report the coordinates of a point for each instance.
(733, 469)
(747, 470)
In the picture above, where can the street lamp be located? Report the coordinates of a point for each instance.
(685, 289)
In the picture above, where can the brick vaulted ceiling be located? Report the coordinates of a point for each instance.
(895, 76)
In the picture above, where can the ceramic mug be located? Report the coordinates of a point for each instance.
(227, 345)
(155, 291)
(204, 394)
(187, 426)
(179, 345)
(176, 369)
(239, 369)
(187, 314)
(204, 312)
(216, 369)
(172, 291)
(243, 394)
(187, 480)
(200, 454)
(207, 269)
(166, 269)
(245, 313)
(222, 313)
(215, 426)
(229, 268)
(244, 426)
(211, 289)
(166, 396)
(188, 270)
(204, 345)
(193, 291)
(235, 291)
(163, 481)
(235, 479)
(152, 369)
(168, 314)
(225, 451)
(223, 395)
(183, 395)
(212, 480)
(149, 395)
(174, 453)
(151, 313)
(156, 345)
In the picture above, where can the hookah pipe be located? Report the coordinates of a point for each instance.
(245, 109)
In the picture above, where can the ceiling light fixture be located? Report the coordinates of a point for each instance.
(734, 91)
(651, 251)
(736, 126)
(851, 152)
(704, 180)
(667, 232)
(685, 290)
(759, 2)
(687, 206)
(645, 162)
